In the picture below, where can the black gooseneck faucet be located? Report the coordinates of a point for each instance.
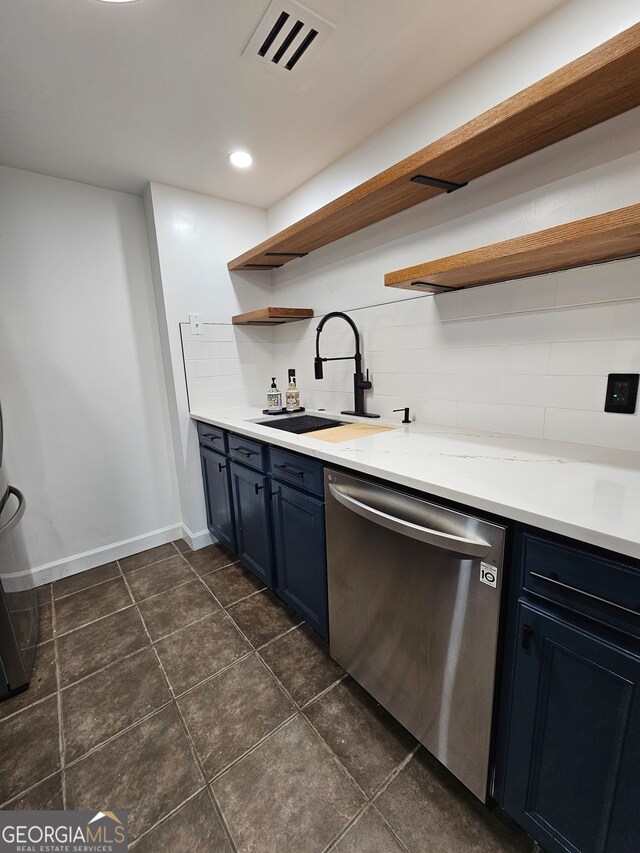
(360, 384)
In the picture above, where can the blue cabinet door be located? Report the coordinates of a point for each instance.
(298, 524)
(573, 760)
(217, 493)
(250, 491)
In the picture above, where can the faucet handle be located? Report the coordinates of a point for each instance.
(406, 419)
(365, 383)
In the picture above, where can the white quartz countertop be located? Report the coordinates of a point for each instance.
(588, 493)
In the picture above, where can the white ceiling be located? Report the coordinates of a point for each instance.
(119, 94)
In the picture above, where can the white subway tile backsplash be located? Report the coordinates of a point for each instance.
(212, 367)
(600, 428)
(437, 411)
(440, 387)
(478, 389)
(215, 384)
(382, 339)
(626, 321)
(409, 337)
(528, 357)
(210, 332)
(509, 297)
(600, 283)
(480, 360)
(524, 358)
(595, 357)
(211, 349)
(221, 400)
(514, 420)
(582, 323)
(566, 392)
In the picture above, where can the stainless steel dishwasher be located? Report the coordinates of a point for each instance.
(414, 599)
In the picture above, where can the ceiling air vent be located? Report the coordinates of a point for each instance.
(286, 36)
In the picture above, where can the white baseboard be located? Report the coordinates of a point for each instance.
(90, 559)
(197, 540)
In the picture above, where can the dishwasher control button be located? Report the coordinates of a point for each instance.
(488, 574)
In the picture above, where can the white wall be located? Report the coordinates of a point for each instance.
(192, 236)
(86, 419)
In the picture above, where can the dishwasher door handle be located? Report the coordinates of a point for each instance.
(447, 541)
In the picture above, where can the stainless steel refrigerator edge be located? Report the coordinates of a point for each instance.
(414, 600)
(18, 600)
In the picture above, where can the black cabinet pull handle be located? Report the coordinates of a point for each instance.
(244, 450)
(288, 470)
(257, 488)
(274, 494)
(212, 437)
(221, 467)
(527, 633)
(598, 598)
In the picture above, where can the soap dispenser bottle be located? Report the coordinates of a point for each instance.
(274, 397)
(292, 394)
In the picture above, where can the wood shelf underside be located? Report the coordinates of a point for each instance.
(597, 86)
(271, 316)
(604, 237)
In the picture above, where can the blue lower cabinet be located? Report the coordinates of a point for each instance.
(573, 749)
(217, 492)
(298, 529)
(250, 490)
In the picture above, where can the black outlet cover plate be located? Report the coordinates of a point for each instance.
(622, 393)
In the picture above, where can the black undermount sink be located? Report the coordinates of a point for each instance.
(301, 423)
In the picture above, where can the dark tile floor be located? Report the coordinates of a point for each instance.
(173, 685)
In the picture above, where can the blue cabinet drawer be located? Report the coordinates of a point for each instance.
(211, 436)
(603, 589)
(300, 471)
(247, 451)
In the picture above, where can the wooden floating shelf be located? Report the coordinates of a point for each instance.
(271, 316)
(604, 237)
(597, 86)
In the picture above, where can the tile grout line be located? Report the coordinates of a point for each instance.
(192, 749)
(103, 668)
(92, 622)
(399, 841)
(324, 692)
(236, 600)
(96, 747)
(214, 675)
(395, 772)
(106, 580)
(370, 801)
(84, 588)
(221, 773)
(167, 817)
(280, 636)
(341, 834)
(146, 565)
(28, 790)
(277, 680)
(335, 758)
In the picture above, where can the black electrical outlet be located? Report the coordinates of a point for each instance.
(622, 393)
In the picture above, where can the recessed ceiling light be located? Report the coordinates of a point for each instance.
(241, 159)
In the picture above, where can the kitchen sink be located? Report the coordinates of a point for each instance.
(299, 424)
